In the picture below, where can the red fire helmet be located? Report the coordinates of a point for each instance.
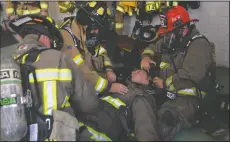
(174, 18)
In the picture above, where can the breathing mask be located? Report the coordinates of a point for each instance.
(93, 38)
(171, 42)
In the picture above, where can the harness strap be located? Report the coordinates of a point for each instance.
(36, 121)
(75, 40)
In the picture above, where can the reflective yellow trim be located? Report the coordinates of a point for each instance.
(67, 2)
(64, 23)
(168, 81)
(66, 102)
(169, 84)
(171, 88)
(50, 140)
(113, 101)
(191, 92)
(101, 50)
(62, 7)
(51, 74)
(167, 4)
(130, 11)
(24, 58)
(164, 65)
(92, 4)
(96, 135)
(119, 25)
(49, 18)
(9, 10)
(128, 3)
(121, 9)
(78, 59)
(132, 134)
(108, 11)
(43, 5)
(188, 91)
(175, 3)
(152, 6)
(26, 12)
(38, 58)
(107, 63)
(49, 97)
(101, 84)
(148, 51)
(100, 11)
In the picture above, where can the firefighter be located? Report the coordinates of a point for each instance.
(186, 70)
(86, 43)
(147, 10)
(123, 7)
(23, 8)
(66, 6)
(60, 84)
(57, 85)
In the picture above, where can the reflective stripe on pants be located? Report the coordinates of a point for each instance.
(188, 91)
(191, 92)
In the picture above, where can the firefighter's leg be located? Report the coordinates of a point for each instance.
(144, 119)
(119, 18)
(175, 115)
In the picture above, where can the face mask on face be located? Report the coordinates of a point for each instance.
(171, 43)
(92, 39)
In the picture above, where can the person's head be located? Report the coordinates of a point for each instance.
(96, 17)
(140, 76)
(175, 25)
(37, 28)
(36, 31)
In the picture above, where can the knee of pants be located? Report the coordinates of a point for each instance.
(167, 116)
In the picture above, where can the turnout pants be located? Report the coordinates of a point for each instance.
(175, 115)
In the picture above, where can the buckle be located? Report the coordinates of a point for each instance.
(27, 99)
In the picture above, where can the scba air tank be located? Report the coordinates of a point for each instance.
(13, 121)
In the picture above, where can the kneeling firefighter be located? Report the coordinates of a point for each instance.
(50, 87)
(186, 70)
(86, 41)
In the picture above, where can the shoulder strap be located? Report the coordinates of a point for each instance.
(75, 40)
(196, 37)
(191, 40)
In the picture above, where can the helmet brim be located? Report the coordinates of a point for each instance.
(162, 31)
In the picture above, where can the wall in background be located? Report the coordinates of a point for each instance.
(214, 24)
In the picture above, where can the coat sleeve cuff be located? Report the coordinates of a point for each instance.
(106, 90)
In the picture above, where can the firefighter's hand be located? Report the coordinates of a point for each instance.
(145, 63)
(111, 76)
(118, 88)
(159, 83)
